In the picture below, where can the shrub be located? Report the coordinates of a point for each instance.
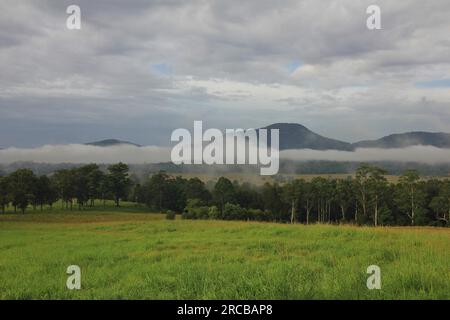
(213, 212)
(233, 211)
(170, 215)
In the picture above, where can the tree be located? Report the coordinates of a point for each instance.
(308, 196)
(64, 180)
(272, 195)
(196, 189)
(409, 196)
(291, 194)
(361, 184)
(344, 195)
(377, 186)
(155, 190)
(247, 196)
(43, 191)
(95, 178)
(323, 196)
(223, 193)
(4, 193)
(441, 203)
(119, 181)
(21, 184)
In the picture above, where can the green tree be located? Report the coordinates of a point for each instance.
(119, 181)
(362, 189)
(272, 195)
(344, 195)
(94, 180)
(44, 193)
(196, 189)
(64, 180)
(223, 193)
(309, 196)
(410, 197)
(21, 184)
(377, 186)
(441, 203)
(291, 194)
(4, 193)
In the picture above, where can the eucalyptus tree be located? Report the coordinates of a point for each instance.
(410, 197)
(345, 196)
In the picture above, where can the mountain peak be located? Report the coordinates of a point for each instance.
(297, 136)
(110, 143)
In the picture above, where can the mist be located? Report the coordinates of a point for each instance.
(422, 154)
(79, 153)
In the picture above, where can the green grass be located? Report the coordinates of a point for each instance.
(142, 256)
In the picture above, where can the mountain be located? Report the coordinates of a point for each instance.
(110, 143)
(402, 140)
(296, 136)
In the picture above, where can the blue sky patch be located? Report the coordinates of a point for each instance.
(292, 66)
(162, 69)
(440, 83)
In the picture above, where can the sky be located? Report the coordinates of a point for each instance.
(139, 69)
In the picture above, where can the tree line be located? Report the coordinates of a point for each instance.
(85, 184)
(368, 198)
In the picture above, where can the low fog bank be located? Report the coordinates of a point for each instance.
(78, 153)
(418, 154)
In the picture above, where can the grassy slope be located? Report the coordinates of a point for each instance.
(138, 255)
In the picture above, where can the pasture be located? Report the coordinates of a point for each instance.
(130, 254)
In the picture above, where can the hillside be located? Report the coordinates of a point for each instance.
(110, 143)
(296, 136)
(402, 140)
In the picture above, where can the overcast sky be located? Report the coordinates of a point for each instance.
(139, 69)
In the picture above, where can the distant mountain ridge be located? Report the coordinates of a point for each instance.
(402, 140)
(297, 136)
(111, 142)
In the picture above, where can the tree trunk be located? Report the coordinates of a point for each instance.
(412, 206)
(307, 211)
(376, 211)
(292, 211)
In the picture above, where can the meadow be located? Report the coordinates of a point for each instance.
(131, 254)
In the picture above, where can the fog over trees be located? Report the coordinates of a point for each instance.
(367, 199)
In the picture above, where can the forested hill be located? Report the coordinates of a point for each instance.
(297, 136)
(402, 140)
(111, 143)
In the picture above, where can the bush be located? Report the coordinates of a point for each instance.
(233, 212)
(170, 215)
(213, 212)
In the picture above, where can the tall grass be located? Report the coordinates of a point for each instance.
(143, 256)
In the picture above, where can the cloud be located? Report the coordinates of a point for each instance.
(77, 153)
(422, 154)
(162, 64)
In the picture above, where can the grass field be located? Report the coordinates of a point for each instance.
(139, 255)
